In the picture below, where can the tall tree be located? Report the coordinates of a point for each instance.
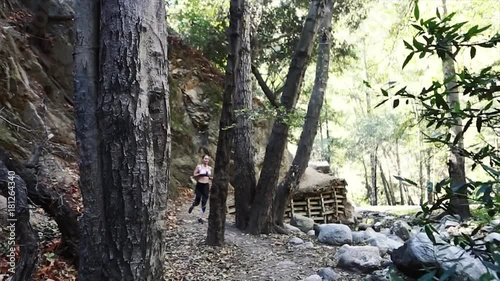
(126, 201)
(310, 127)
(373, 150)
(86, 73)
(260, 217)
(244, 166)
(456, 162)
(218, 192)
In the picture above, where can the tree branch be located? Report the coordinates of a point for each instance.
(52, 203)
(269, 94)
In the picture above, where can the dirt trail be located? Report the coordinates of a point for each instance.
(244, 257)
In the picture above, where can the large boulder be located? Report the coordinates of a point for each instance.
(419, 253)
(335, 234)
(363, 259)
(302, 222)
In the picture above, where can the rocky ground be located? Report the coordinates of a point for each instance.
(245, 257)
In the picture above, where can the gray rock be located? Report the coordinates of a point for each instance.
(492, 237)
(335, 234)
(301, 222)
(448, 221)
(385, 231)
(328, 274)
(401, 229)
(311, 232)
(379, 275)
(306, 245)
(295, 241)
(314, 277)
(363, 226)
(363, 259)
(358, 237)
(292, 228)
(377, 226)
(383, 243)
(419, 252)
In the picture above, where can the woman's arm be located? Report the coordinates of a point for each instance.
(196, 171)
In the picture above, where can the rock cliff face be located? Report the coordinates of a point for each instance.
(36, 94)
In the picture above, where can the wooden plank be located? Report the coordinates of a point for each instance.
(308, 207)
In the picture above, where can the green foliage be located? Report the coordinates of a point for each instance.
(203, 25)
(440, 36)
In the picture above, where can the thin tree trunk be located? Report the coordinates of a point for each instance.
(386, 185)
(400, 184)
(244, 166)
(310, 128)
(430, 191)
(86, 73)
(12, 186)
(260, 218)
(373, 174)
(367, 181)
(421, 173)
(456, 162)
(132, 117)
(218, 192)
(389, 177)
(373, 151)
(329, 141)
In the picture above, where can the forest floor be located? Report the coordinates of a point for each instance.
(244, 256)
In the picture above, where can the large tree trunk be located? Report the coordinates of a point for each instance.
(310, 128)
(260, 218)
(86, 73)
(132, 117)
(218, 193)
(244, 166)
(456, 162)
(14, 188)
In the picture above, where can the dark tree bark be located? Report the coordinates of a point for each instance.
(456, 162)
(310, 128)
(86, 73)
(260, 218)
(269, 94)
(134, 141)
(52, 203)
(218, 192)
(12, 186)
(244, 166)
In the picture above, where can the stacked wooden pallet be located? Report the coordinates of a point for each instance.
(326, 206)
(319, 196)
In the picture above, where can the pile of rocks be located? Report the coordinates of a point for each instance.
(391, 242)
